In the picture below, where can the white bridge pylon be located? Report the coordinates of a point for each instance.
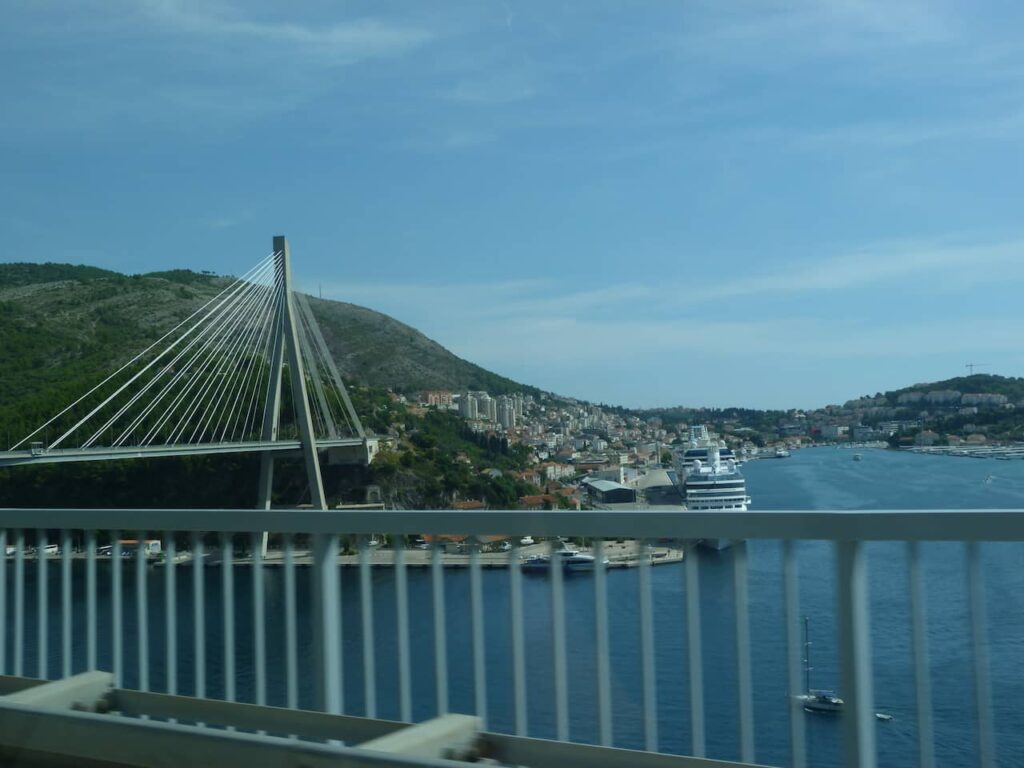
(213, 384)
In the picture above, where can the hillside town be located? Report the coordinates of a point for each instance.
(581, 454)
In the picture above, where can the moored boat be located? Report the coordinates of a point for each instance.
(570, 558)
(814, 700)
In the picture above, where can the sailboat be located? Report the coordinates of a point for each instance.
(816, 700)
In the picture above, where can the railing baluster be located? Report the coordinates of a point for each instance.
(440, 636)
(171, 612)
(116, 613)
(604, 678)
(650, 693)
(402, 625)
(66, 626)
(745, 690)
(227, 568)
(922, 678)
(91, 619)
(199, 614)
(327, 624)
(979, 643)
(142, 610)
(693, 639)
(3, 603)
(476, 598)
(42, 604)
(366, 609)
(291, 644)
(558, 642)
(855, 655)
(259, 623)
(797, 727)
(19, 602)
(515, 576)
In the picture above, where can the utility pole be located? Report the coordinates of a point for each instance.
(971, 366)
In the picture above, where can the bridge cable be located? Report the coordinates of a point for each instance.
(229, 368)
(203, 339)
(208, 333)
(135, 359)
(209, 338)
(134, 378)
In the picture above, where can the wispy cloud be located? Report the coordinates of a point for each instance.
(935, 266)
(550, 333)
(338, 43)
(190, 67)
(466, 138)
(838, 28)
(935, 263)
(900, 134)
(499, 88)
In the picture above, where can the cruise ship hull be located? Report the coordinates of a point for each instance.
(716, 544)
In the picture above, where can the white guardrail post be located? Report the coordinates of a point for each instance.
(327, 623)
(855, 655)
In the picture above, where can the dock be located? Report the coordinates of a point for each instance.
(620, 554)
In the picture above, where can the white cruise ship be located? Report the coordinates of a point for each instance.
(714, 485)
(699, 445)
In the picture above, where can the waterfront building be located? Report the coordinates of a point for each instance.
(834, 431)
(604, 492)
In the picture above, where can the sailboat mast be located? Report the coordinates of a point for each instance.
(807, 654)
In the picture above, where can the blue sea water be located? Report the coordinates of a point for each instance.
(821, 478)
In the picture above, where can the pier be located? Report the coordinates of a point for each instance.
(620, 554)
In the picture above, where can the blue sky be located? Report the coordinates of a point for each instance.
(771, 204)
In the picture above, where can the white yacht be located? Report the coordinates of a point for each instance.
(715, 486)
(570, 558)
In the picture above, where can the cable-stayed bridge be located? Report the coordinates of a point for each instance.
(215, 384)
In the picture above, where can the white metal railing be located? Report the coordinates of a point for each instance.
(220, 532)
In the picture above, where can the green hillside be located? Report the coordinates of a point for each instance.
(1012, 387)
(24, 273)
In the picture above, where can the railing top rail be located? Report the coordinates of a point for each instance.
(895, 525)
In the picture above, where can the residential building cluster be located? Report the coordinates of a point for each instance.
(917, 417)
(566, 438)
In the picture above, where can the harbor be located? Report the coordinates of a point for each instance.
(1001, 452)
(618, 554)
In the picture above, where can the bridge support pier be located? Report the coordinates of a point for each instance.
(286, 340)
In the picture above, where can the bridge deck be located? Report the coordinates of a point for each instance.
(63, 455)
